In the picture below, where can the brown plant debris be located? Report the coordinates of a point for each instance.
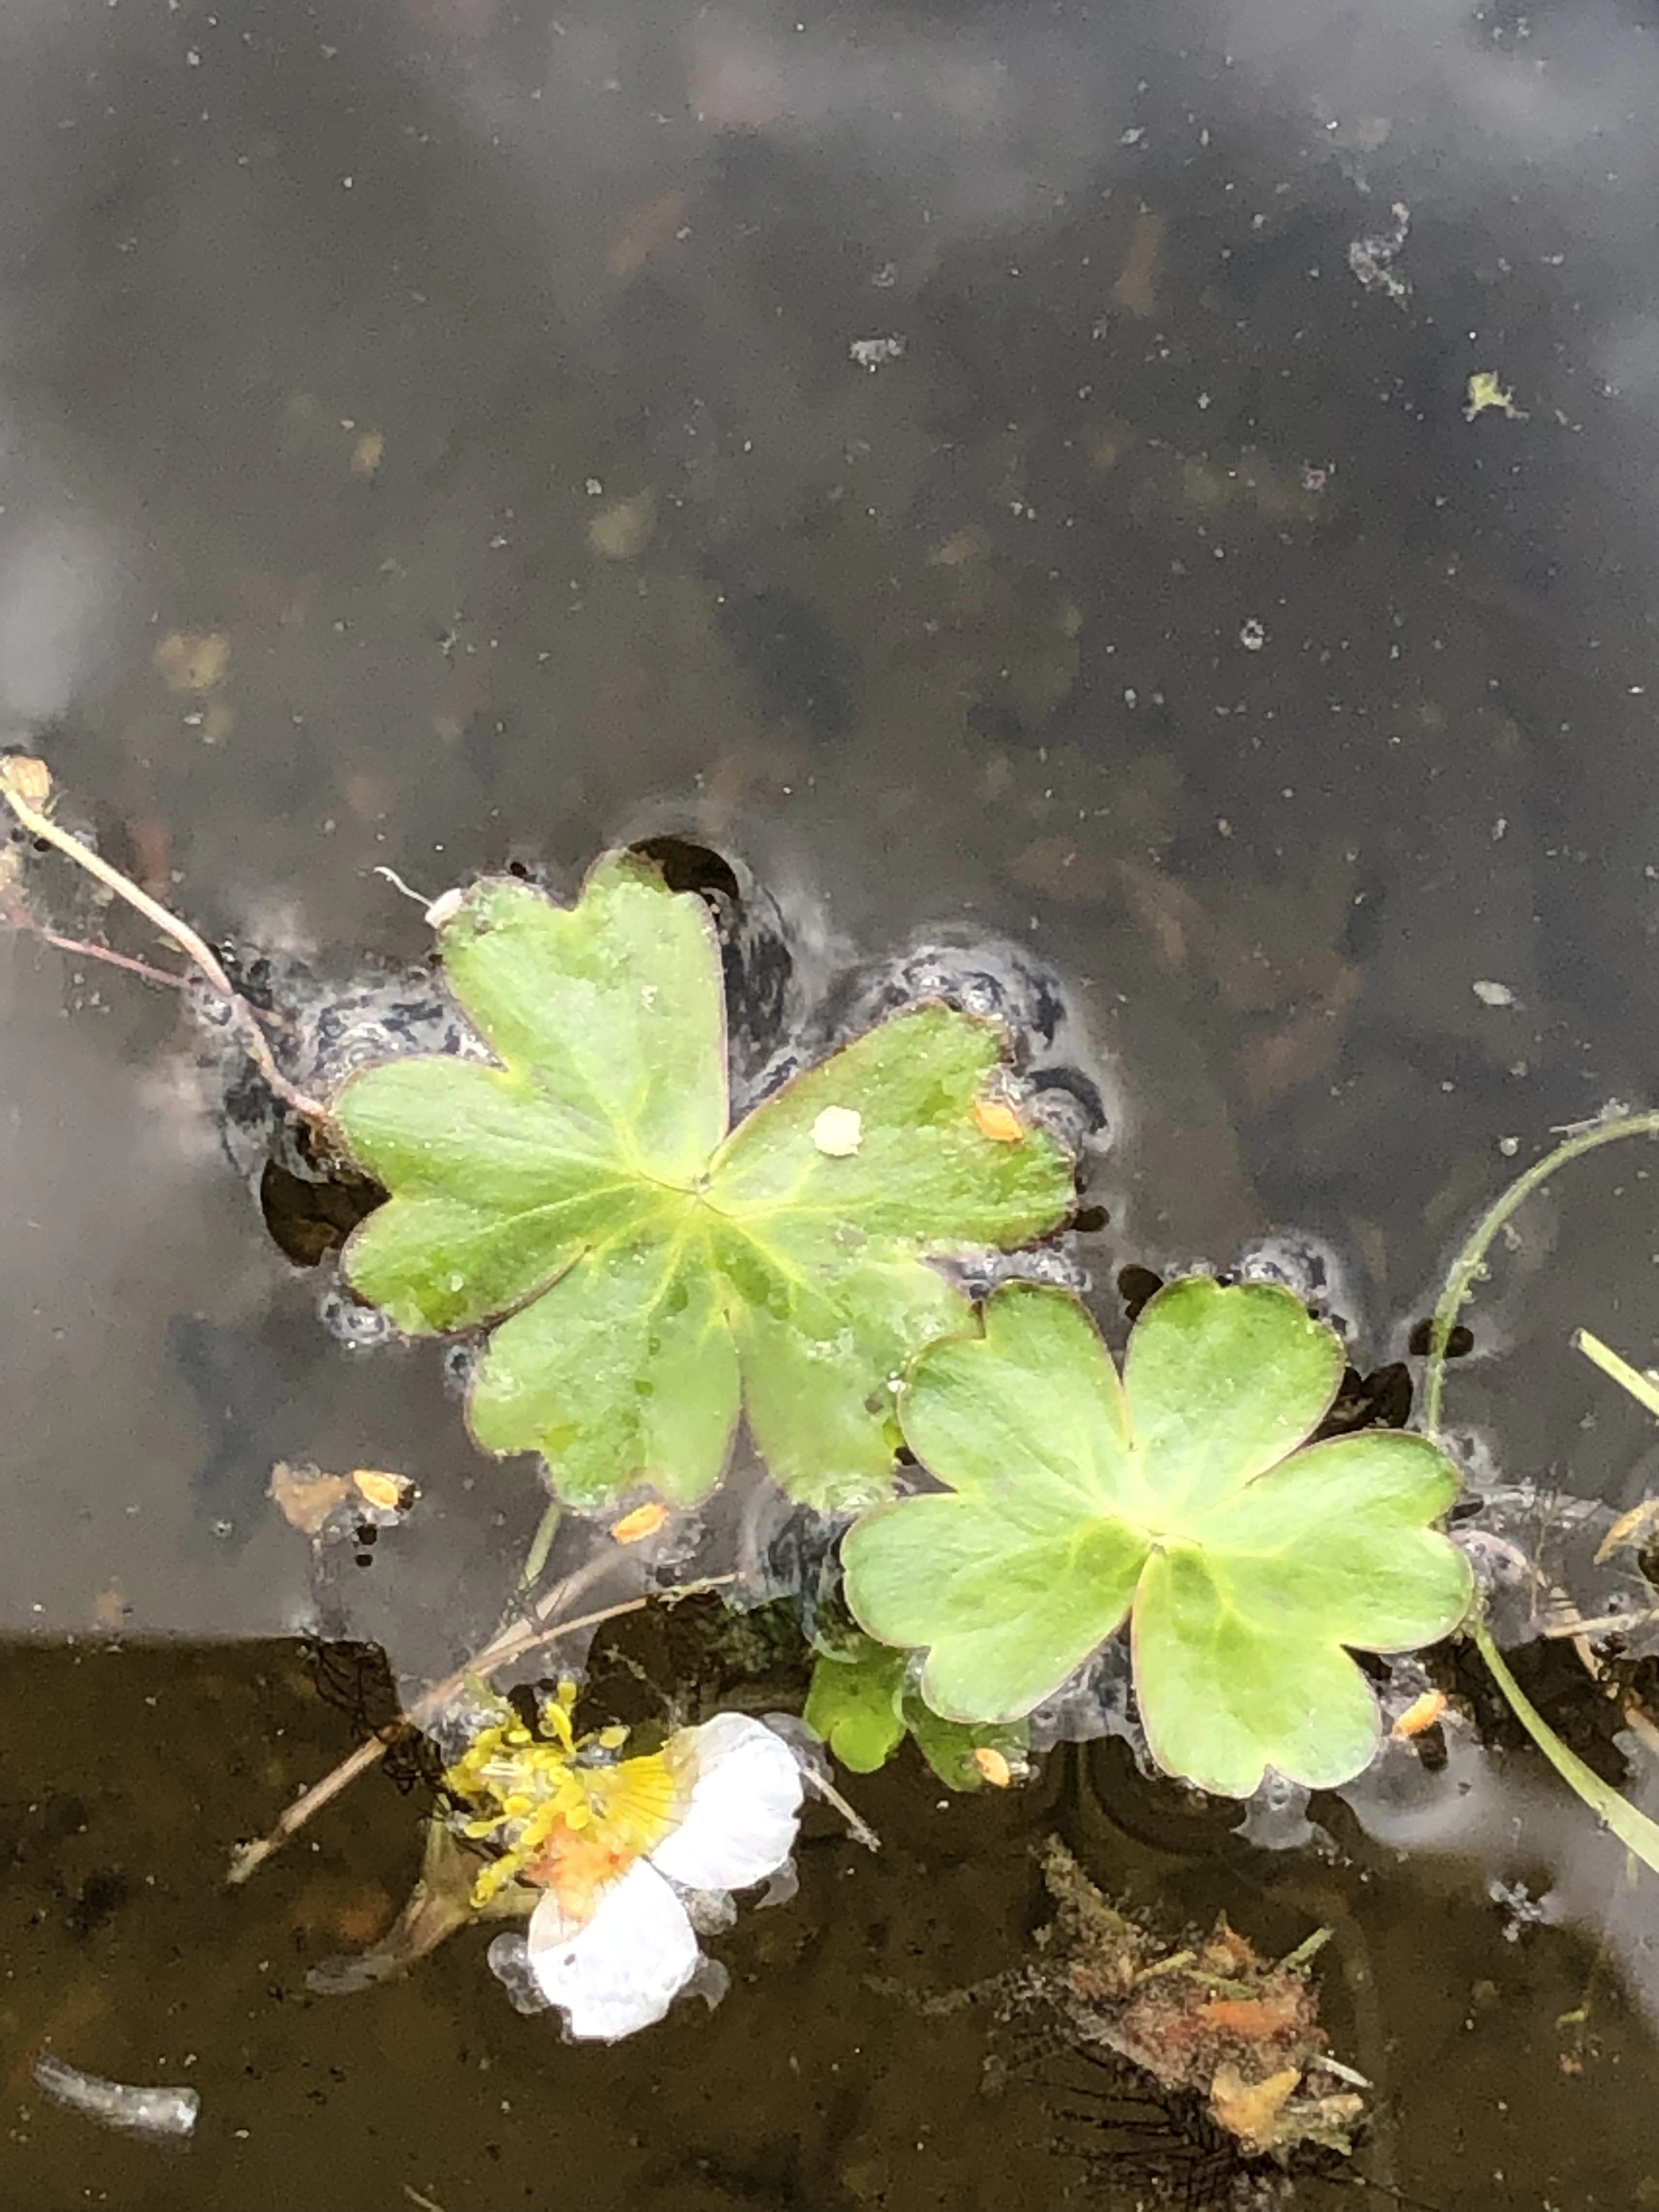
(1210, 2019)
(333, 1508)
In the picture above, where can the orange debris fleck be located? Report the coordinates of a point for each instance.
(1253, 2019)
(644, 1520)
(996, 1119)
(993, 1766)
(1251, 2109)
(1422, 1713)
(390, 1492)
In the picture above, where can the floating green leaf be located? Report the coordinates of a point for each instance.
(646, 1272)
(1251, 1568)
(863, 1705)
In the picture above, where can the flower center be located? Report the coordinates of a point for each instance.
(565, 1814)
(616, 1815)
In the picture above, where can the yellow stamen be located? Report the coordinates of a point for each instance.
(557, 1820)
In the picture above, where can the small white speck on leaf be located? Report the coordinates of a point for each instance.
(838, 1132)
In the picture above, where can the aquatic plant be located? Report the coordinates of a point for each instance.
(1183, 1497)
(610, 1848)
(566, 1186)
(643, 1271)
(1635, 1829)
(863, 1701)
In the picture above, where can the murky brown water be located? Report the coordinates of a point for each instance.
(434, 434)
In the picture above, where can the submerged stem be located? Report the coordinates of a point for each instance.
(542, 1543)
(247, 1858)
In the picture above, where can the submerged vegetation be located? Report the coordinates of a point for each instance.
(870, 1277)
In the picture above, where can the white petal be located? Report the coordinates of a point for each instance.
(620, 1970)
(746, 1805)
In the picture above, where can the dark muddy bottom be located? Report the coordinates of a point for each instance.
(832, 2077)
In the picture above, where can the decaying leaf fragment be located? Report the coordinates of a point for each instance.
(441, 1901)
(29, 778)
(327, 1507)
(1211, 2019)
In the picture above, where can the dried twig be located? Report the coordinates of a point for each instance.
(531, 1633)
(26, 787)
(248, 1858)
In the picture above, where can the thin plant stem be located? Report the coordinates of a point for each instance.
(195, 949)
(249, 1857)
(857, 1827)
(528, 1634)
(1633, 1828)
(1642, 1388)
(80, 948)
(1637, 1834)
(41, 824)
(541, 1543)
(1466, 1267)
(1604, 1624)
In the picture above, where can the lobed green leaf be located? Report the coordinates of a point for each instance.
(1251, 1568)
(646, 1273)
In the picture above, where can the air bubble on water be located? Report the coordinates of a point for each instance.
(1310, 1269)
(1094, 1702)
(1473, 1454)
(456, 1362)
(350, 1322)
(508, 1960)
(709, 1981)
(1498, 1561)
(784, 1551)
(1276, 1818)
(711, 1911)
(782, 1887)
(1182, 1271)
(982, 1270)
(1069, 1105)
(1521, 1909)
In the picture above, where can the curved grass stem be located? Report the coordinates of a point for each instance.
(247, 1858)
(1466, 1267)
(1633, 1828)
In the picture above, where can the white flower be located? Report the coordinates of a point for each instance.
(613, 1957)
